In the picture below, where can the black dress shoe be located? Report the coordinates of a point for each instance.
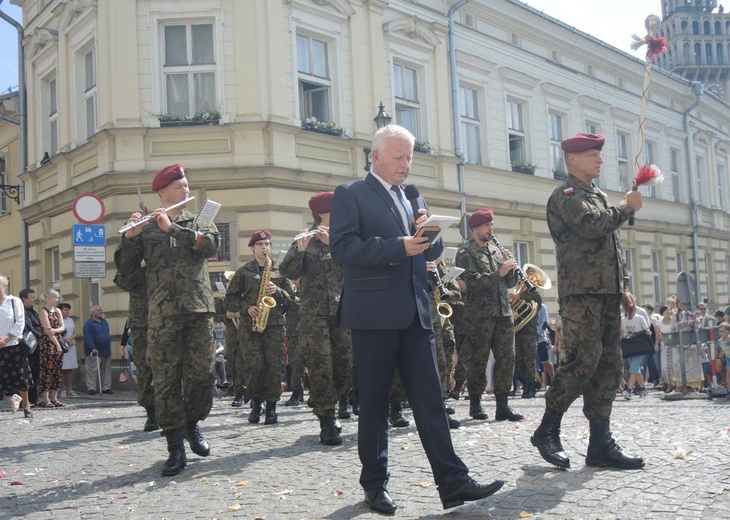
(379, 501)
(469, 492)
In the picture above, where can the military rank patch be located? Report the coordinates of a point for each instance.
(568, 191)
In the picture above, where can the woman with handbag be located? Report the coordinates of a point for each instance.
(636, 324)
(51, 353)
(15, 376)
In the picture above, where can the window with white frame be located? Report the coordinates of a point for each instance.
(656, 276)
(407, 107)
(90, 93)
(4, 199)
(649, 148)
(629, 254)
(189, 69)
(95, 295)
(722, 186)
(680, 262)
(702, 187)
(470, 142)
(53, 255)
(555, 133)
(622, 151)
(674, 165)
(49, 111)
(522, 253)
(707, 293)
(315, 84)
(516, 134)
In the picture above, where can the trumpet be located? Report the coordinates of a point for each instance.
(521, 276)
(309, 233)
(147, 218)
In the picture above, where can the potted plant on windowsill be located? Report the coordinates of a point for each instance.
(205, 116)
(559, 175)
(524, 168)
(323, 127)
(422, 146)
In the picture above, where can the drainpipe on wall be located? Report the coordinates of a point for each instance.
(697, 89)
(23, 130)
(455, 114)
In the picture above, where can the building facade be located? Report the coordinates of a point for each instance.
(10, 220)
(266, 102)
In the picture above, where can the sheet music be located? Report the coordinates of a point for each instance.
(450, 255)
(279, 259)
(205, 217)
(440, 221)
(221, 288)
(451, 274)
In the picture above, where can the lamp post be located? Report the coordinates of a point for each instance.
(382, 119)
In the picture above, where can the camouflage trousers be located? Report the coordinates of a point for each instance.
(262, 362)
(296, 362)
(497, 335)
(234, 357)
(181, 352)
(449, 345)
(328, 353)
(526, 351)
(593, 362)
(462, 356)
(145, 390)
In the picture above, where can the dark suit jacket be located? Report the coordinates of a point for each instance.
(383, 288)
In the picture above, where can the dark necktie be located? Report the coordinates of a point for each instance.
(405, 204)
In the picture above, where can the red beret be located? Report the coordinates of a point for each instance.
(583, 142)
(479, 217)
(167, 175)
(259, 235)
(321, 202)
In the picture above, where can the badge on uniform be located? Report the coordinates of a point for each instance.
(568, 191)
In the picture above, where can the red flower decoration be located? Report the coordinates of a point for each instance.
(655, 47)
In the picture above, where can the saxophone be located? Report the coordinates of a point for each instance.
(265, 303)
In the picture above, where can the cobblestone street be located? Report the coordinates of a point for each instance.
(91, 460)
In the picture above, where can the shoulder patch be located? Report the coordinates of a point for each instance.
(568, 191)
(462, 251)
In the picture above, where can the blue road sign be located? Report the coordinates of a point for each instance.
(89, 235)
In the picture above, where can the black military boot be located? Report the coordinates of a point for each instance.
(396, 417)
(528, 391)
(176, 448)
(504, 412)
(294, 399)
(453, 423)
(197, 443)
(327, 433)
(355, 401)
(150, 424)
(454, 394)
(237, 401)
(547, 439)
(605, 452)
(271, 416)
(257, 408)
(449, 409)
(343, 408)
(475, 407)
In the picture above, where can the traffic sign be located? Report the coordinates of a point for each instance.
(89, 254)
(90, 269)
(88, 208)
(89, 235)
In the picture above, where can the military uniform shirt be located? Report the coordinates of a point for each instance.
(244, 289)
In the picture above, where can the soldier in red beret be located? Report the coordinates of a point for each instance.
(175, 250)
(261, 339)
(593, 285)
(488, 275)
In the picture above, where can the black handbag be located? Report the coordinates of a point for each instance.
(28, 342)
(64, 345)
(636, 344)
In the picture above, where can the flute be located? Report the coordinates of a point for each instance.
(309, 233)
(146, 218)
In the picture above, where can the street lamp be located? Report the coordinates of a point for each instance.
(382, 119)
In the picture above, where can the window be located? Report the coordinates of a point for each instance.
(702, 182)
(189, 69)
(623, 162)
(522, 253)
(224, 249)
(680, 263)
(707, 293)
(407, 108)
(4, 199)
(516, 133)
(674, 161)
(629, 254)
(49, 114)
(649, 159)
(656, 276)
(95, 295)
(314, 78)
(590, 127)
(555, 132)
(53, 256)
(90, 93)
(722, 186)
(470, 125)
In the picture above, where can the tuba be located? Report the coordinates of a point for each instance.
(524, 311)
(265, 303)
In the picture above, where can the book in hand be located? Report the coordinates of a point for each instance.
(434, 226)
(452, 274)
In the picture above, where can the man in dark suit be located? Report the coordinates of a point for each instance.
(385, 304)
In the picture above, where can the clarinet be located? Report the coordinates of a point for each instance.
(521, 275)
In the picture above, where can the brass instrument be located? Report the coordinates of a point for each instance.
(521, 276)
(265, 303)
(524, 311)
(146, 218)
(442, 296)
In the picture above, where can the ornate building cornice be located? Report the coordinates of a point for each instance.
(412, 27)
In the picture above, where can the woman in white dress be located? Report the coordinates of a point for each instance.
(70, 359)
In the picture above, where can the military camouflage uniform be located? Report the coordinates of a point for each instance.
(261, 350)
(233, 349)
(294, 348)
(327, 348)
(135, 282)
(181, 342)
(444, 334)
(591, 278)
(488, 318)
(526, 340)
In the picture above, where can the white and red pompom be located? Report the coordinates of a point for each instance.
(649, 175)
